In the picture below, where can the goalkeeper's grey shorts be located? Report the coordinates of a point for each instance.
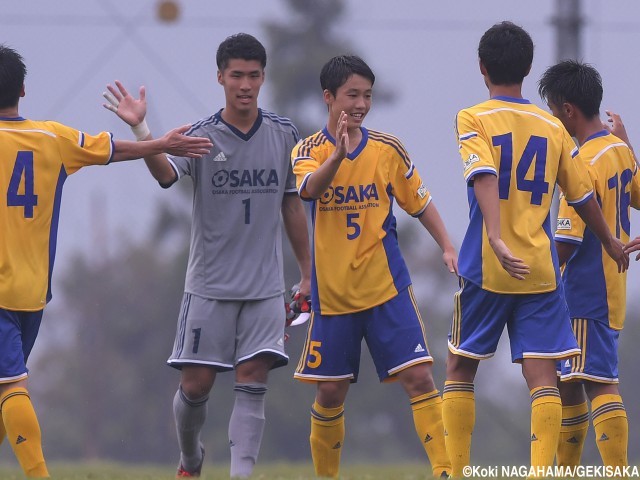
(224, 333)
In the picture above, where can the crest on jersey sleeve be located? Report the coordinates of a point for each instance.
(422, 190)
(471, 159)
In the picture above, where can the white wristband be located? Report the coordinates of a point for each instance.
(141, 131)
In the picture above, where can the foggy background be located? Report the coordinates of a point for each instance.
(98, 379)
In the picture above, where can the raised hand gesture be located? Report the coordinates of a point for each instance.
(342, 137)
(128, 108)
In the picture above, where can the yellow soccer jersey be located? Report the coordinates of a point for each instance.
(357, 262)
(35, 160)
(594, 289)
(528, 150)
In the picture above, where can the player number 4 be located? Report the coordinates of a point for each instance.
(22, 169)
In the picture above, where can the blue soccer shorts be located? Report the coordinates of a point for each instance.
(18, 333)
(538, 324)
(598, 359)
(394, 333)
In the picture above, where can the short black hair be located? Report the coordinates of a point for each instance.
(573, 82)
(338, 70)
(242, 46)
(12, 74)
(506, 51)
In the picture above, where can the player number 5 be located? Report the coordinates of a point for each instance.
(351, 223)
(315, 359)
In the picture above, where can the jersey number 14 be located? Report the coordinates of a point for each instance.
(535, 153)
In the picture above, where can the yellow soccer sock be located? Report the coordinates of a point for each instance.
(427, 417)
(612, 429)
(459, 418)
(23, 431)
(575, 423)
(546, 419)
(327, 437)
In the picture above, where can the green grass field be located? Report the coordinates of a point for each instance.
(103, 471)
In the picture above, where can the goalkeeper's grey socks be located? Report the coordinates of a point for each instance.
(190, 416)
(245, 427)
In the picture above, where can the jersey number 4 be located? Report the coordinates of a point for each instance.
(535, 153)
(23, 169)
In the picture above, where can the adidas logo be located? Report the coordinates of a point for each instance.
(231, 444)
(567, 364)
(419, 348)
(572, 440)
(221, 157)
(533, 437)
(603, 438)
(337, 446)
(428, 438)
(21, 439)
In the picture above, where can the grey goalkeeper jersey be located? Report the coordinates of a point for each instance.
(236, 228)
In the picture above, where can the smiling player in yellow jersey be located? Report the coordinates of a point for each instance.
(595, 291)
(360, 283)
(513, 153)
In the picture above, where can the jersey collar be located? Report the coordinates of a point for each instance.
(359, 148)
(601, 133)
(11, 119)
(511, 99)
(238, 133)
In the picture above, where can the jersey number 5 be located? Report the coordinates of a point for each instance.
(534, 152)
(351, 223)
(23, 168)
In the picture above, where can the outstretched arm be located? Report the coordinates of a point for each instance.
(485, 186)
(173, 142)
(320, 180)
(295, 224)
(431, 220)
(133, 111)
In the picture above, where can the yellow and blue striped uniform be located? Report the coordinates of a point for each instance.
(593, 287)
(357, 263)
(35, 160)
(528, 150)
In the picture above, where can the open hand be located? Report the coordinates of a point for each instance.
(128, 108)
(179, 145)
(342, 136)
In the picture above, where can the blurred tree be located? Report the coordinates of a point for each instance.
(106, 390)
(298, 47)
(102, 390)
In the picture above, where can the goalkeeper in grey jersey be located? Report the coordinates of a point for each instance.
(232, 314)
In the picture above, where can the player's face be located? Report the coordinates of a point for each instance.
(242, 80)
(354, 98)
(559, 111)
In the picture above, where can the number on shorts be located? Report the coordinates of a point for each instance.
(196, 339)
(314, 354)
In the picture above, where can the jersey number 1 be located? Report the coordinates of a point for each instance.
(23, 168)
